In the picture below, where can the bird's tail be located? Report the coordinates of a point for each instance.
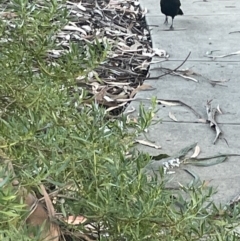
(180, 12)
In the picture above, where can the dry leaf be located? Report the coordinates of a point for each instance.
(136, 46)
(220, 81)
(130, 111)
(196, 152)
(147, 143)
(74, 28)
(54, 231)
(141, 88)
(183, 104)
(168, 103)
(206, 183)
(115, 107)
(8, 15)
(108, 99)
(38, 214)
(201, 121)
(161, 53)
(223, 56)
(211, 119)
(75, 220)
(81, 7)
(185, 77)
(219, 110)
(143, 66)
(172, 116)
(187, 72)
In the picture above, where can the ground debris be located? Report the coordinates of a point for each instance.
(122, 25)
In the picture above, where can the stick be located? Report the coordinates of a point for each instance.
(171, 71)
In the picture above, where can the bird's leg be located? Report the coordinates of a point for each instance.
(166, 20)
(171, 27)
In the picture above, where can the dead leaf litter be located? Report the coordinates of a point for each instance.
(120, 24)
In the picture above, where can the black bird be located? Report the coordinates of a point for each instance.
(170, 8)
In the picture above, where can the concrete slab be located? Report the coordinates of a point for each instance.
(170, 87)
(197, 7)
(200, 35)
(203, 32)
(174, 136)
(207, 28)
(219, 7)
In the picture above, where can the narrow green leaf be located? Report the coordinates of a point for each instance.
(209, 162)
(4, 181)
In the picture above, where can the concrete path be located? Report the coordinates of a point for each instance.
(204, 27)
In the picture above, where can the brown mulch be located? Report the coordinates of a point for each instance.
(120, 23)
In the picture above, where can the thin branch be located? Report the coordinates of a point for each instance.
(174, 70)
(234, 32)
(182, 103)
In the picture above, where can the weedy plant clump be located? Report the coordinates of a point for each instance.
(63, 159)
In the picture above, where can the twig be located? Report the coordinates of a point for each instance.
(223, 56)
(212, 157)
(234, 32)
(185, 77)
(55, 193)
(182, 103)
(234, 201)
(171, 71)
(175, 29)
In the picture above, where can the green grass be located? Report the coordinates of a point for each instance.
(54, 137)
